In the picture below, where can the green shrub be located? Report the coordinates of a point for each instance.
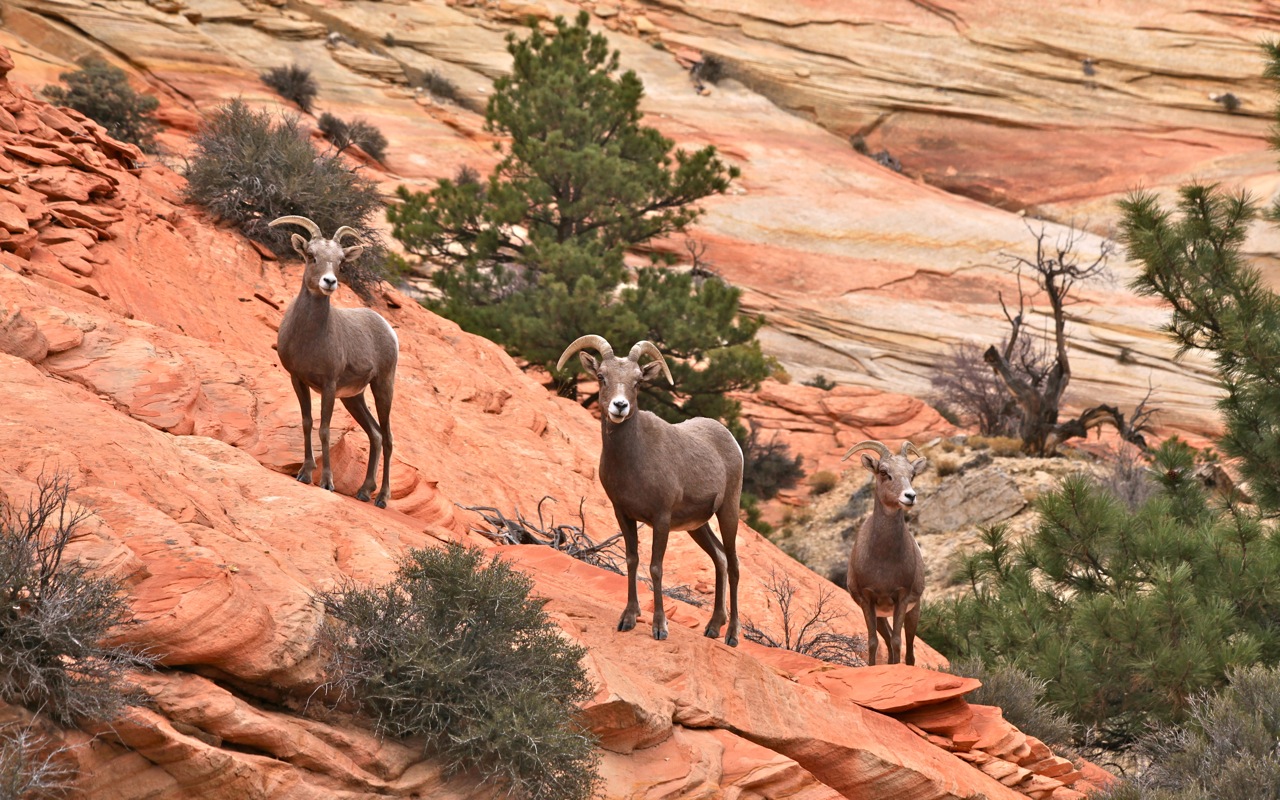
(102, 93)
(820, 381)
(293, 83)
(249, 170)
(1229, 748)
(55, 614)
(1020, 696)
(1127, 614)
(457, 652)
(356, 132)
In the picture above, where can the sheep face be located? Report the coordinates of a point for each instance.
(324, 259)
(620, 380)
(893, 476)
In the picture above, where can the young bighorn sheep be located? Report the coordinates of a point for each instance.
(670, 477)
(338, 352)
(886, 571)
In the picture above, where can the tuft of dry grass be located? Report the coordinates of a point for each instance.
(1000, 446)
(822, 482)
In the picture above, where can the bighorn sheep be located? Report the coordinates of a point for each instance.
(671, 477)
(886, 571)
(337, 352)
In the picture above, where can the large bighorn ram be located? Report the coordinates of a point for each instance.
(338, 352)
(886, 571)
(671, 477)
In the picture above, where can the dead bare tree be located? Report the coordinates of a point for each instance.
(569, 539)
(809, 633)
(1037, 377)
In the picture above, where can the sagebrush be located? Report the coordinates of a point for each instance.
(357, 132)
(55, 616)
(293, 83)
(249, 168)
(102, 93)
(456, 651)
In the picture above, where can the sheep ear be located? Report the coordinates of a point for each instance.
(652, 371)
(299, 244)
(872, 465)
(588, 361)
(918, 466)
(353, 252)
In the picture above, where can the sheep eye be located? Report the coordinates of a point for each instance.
(884, 474)
(600, 377)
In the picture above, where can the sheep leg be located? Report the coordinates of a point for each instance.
(326, 414)
(913, 619)
(304, 402)
(360, 411)
(711, 546)
(383, 391)
(661, 530)
(727, 517)
(632, 540)
(868, 604)
(882, 625)
(899, 611)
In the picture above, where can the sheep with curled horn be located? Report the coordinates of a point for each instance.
(337, 352)
(886, 570)
(670, 477)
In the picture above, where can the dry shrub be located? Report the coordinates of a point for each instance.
(947, 464)
(823, 481)
(293, 83)
(1000, 446)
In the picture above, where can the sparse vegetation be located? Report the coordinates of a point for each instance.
(249, 169)
(946, 464)
(809, 632)
(102, 93)
(55, 615)
(357, 132)
(33, 766)
(999, 446)
(436, 84)
(569, 539)
(708, 69)
(1020, 696)
(293, 83)
(456, 651)
(820, 381)
(823, 481)
(1228, 749)
(769, 466)
(966, 387)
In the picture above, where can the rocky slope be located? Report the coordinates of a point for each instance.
(864, 275)
(135, 357)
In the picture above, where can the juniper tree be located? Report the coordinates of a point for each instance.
(532, 256)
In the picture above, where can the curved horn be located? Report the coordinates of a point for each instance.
(646, 347)
(302, 222)
(590, 340)
(868, 445)
(908, 445)
(345, 230)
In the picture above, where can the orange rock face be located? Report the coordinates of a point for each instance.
(139, 362)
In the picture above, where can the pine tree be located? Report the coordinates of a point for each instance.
(532, 257)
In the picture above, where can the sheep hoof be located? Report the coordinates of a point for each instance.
(381, 502)
(363, 495)
(731, 640)
(626, 624)
(712, 632)
(660, 633)
(304, 476)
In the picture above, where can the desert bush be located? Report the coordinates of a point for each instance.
(820, 381)
(768, 467)
(456, 651)
(1229, 748)
(33, 766)
(1020, 696)
(357, 132)
(1127, 614)
(1000, 446)
(248, 170)
(946, 464)
(823, 481)
(709, 69)
(966, 388)
(811, 631)
(439, 86)
(55, 615)
(102, 93)
(293, 83)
